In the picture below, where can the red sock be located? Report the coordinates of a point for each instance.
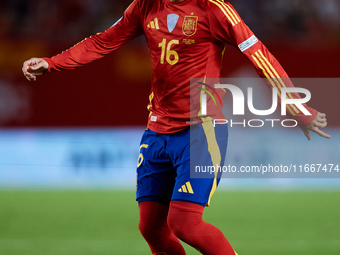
(185, 221)
(154, 228)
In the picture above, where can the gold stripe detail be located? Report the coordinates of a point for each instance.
(270, 76)
(213, 149)
(189, 188)
(279, 78)
(223, 10)
(150, 105)
(265, 73)
(201, 93)
(231, 9)
(231, 15)
(223, 51)
(156, 23)
(268, 69)
(152, 23)
(184, 189)
(270, 80)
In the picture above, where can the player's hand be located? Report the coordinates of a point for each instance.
(319, 121)
(34, 67)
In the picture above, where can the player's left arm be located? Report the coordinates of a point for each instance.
(91, 48)
(229, 27)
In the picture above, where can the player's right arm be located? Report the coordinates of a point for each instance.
(226, 25)
(91, 48)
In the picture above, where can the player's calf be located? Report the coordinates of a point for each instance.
(185, 221)
(153, 227)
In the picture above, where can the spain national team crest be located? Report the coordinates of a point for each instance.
(190, 25)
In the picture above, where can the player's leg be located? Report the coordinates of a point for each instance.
(192, 193)
(155, 182)
(154, 228)
(185, 221)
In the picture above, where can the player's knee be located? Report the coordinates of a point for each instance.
(152, 230)
(183, 218)
(147, 230)
(179, 229)
(153, 220)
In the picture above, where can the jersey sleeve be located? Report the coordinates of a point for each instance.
(94, 47)
(226, 25)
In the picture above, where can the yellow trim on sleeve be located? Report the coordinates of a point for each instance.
(268, 69)
(265, 73)
(227, 9)
(257, 59)
(223, 10)
(279, 79)
(232, 12)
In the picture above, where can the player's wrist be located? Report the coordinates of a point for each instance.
(48, 65)
(305, 120)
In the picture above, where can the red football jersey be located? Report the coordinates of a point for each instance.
(186, 40)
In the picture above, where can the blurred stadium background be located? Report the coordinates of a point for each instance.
(69, 142)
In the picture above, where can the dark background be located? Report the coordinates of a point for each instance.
(302, 34)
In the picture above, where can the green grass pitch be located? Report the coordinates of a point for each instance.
(105, 222)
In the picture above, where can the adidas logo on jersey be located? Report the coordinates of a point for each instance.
(186, 188)
(153, 24)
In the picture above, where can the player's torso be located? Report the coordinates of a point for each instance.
(178, 34)
(181, 47)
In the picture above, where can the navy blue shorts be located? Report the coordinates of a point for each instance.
(168, 164)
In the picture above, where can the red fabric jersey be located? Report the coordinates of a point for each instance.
(186, 40)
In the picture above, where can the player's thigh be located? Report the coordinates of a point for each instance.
(197, 175)
(155, 172)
